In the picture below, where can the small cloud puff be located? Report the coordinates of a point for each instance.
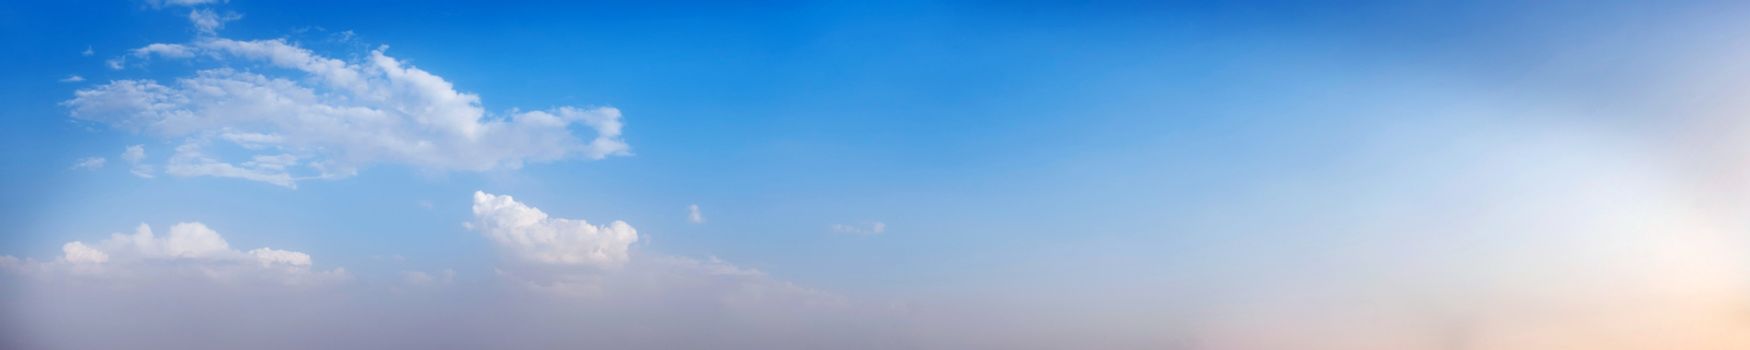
(693, 214)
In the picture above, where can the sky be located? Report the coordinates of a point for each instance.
(197, 174)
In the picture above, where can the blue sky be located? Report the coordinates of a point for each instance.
(1152, 175)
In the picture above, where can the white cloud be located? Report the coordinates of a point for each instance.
(164, 51)
(693, 214)
(134, 155)
(873, 228)
(90, 163)
(209, 22)
(189, 240)
(72, 79)
(162, 3)
(189, 249)
(189, 160)
(160, 50)
(271, 257)
(88, 51)
(572, 258)
(79, 253)
(333, 116)
(192, 277)
(530, 236)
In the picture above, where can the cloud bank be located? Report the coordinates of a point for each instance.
(561, 283)
(187, 250)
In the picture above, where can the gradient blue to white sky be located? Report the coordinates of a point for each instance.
(884, 175)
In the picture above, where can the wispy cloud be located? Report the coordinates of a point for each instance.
(209, 22)
(693, 214)
(191, 160)
(135, 156)
(163, 3)
(336, 118)
(89, 163)
(872, 228)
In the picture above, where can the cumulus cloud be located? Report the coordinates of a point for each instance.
(89, 163)
(529, 235)
(79, 253)
(188, 240)
(693, 214)
(270, 257)
(72, 79)
(135, 288)
(329, 117)
(571, 257)
(187, 249)
(873, 228)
